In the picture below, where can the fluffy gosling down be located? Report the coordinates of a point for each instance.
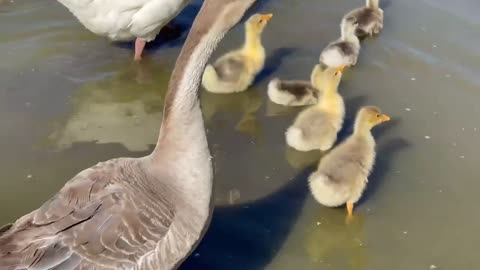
(369, 18)
(236, 70)
(316, 127)
(342, 174)
(296, 92)
(345, 50)
(292, 92)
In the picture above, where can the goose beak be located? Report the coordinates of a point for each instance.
(267, 17)
(385, 118)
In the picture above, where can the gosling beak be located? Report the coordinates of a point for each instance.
(267, 17)
(341, 68)
(385, 118)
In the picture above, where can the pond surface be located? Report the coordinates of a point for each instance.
(69, 99)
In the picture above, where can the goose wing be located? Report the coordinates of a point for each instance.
(105, 217)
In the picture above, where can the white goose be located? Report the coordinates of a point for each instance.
(135, 213)
(123, 20)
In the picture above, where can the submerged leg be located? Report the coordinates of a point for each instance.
(350, 212)
(170, 31)
(139, 46)
(170, 27)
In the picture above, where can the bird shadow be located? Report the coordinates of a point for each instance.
(385, 153)
(273, 62)
(248, 236)
(352, 105)
(173, 36)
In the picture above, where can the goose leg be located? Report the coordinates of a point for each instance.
(350, 212)
(139, 46)
(170, 27)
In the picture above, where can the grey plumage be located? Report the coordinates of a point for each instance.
(343, 51)
(369, 19)
(315, 127)
(292, 92)
(346, 47)
(299, 89)
(298, 92)
(229, 69)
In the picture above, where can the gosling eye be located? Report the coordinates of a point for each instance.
(261, 20)
(378, 115)
(336, 73)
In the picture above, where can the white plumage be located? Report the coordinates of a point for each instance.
(123, 20)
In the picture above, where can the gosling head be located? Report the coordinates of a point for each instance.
(257, 22)
(369, 117)
(332, 78)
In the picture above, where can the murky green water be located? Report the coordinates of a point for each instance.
(69, 99)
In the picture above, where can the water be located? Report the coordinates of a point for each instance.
(69, 99)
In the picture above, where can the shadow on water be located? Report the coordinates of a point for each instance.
(273, 61)
(175, 35)
(385, 152)
(352, 105)
(246, 103)
(248, 236)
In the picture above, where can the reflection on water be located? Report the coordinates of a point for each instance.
(245, 103)
(328, 240)
(302, 160)
(274, 109)
(59, 81)
(324, 241)
(125, 108)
